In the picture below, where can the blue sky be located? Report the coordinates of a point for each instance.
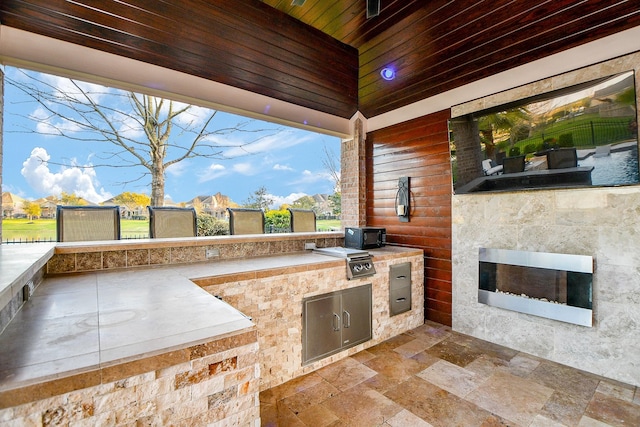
(288, 162)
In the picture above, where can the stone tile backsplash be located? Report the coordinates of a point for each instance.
(84, 258)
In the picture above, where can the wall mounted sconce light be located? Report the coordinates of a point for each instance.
(403, 199)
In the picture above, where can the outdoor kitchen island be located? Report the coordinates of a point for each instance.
(138, 346)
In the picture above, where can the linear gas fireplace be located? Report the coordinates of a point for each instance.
(555, 286)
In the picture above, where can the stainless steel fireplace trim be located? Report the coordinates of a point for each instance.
(563, 313)
(552, 261)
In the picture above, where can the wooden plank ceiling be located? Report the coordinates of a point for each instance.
(439, 45)
(333, 63)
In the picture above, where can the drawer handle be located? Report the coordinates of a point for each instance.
(401, 277)
(400, 299)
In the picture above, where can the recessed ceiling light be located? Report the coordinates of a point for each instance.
(388, 73)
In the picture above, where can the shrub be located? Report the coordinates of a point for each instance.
(514, 151)
(277, 220)
(530, 148)
(210, 226)
(565, 140)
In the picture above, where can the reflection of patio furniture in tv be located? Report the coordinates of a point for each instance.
(513, 164)
(489, 168)
(546, 178)
(562, 158)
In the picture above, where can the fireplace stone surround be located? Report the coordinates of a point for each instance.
(599, 222)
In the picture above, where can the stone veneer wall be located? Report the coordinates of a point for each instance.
(600, 222)
(88, 256)
(274, 303)
(214, 384)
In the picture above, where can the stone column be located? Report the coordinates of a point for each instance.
(353, 178)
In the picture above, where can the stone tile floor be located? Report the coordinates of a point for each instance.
(432, 376)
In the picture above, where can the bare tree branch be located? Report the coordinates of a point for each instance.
(143, 130)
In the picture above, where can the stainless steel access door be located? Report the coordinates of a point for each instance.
(321, 326)
(356, 315)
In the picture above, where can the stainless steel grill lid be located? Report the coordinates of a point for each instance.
(359, 262)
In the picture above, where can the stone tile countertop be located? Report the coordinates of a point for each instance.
(18, 263)
(83, 322)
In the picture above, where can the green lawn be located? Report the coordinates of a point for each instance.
(45, 229)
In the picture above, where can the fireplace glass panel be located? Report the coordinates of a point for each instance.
(550, 285)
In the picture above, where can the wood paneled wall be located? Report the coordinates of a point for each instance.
(418, 149)
(242, 43)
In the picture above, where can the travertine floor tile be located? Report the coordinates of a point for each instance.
(318, 416)
(405, 418)
(453, 352)
(393, 365)
(308, 397)
(452, 378)
(346, 373)
(362, 406)
(456, 381)
(565, 379)
(613, 411)
(513, 398)
(436, 406)
(564, 408)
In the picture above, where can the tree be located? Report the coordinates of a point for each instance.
(71, 199)
(259, 199)
(503, 121)
(143, 130)
(331, 162)
(336, 203)
(132, 200)
(304, 202)
(32, 209)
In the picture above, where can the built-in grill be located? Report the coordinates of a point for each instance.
(359, 262)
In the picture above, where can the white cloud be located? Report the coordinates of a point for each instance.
(279, 167)
(79, 180)
(178, 169)
(245, 168)
(281, 200)
(194, 116)
(64, 86)
(46, 125)
(215, 170)
(268, 144)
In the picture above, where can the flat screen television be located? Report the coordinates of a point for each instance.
(581, 136)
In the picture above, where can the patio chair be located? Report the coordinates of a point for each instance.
(246, 221)
(562, 158)
(489, 168)
(513, 164)
(302, 220)
(87, 223)
(168, 221)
